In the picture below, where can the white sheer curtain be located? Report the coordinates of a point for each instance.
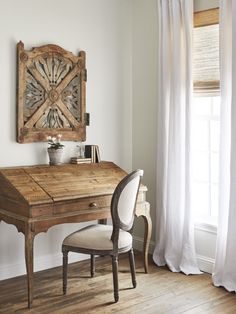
(224, 273)
(174, 228)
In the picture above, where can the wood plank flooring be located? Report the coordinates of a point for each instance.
(160, 291)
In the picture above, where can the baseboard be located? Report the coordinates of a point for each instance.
(205, 263)
(53, 260)
(40, 263)
(138, 244)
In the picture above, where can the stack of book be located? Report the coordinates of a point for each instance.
(91, 155)
(79, 160)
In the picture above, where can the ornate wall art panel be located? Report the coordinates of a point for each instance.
(51, 94)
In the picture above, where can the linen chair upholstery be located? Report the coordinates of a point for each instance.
(104, 240)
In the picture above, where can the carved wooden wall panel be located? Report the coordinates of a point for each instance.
(51, 94)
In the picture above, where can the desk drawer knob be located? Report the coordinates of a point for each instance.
(93, 204)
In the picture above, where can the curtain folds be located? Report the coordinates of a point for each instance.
(224, 273)
(175, 231)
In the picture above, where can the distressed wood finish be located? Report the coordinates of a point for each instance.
(51, 94)
(159, 292)
(38, 197)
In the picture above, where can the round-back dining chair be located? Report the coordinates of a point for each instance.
(99, 239)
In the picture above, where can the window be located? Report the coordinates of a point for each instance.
(205, 115)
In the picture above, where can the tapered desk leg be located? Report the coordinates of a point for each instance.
(29, 261)
(147, 235)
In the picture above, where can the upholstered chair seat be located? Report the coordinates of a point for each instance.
(98, 237)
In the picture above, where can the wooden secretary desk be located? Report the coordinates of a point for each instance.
(36, 198)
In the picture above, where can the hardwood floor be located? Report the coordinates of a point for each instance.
(160, 291)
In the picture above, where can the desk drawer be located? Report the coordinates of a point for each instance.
(88, 203)
(71, 206)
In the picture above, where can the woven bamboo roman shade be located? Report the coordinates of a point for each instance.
(206, 74)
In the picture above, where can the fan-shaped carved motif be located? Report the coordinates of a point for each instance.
(34, 96)
(51, 93)
(52, 118)
(52, 67)
(71, 96)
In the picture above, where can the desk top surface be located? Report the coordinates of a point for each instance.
(45, 184)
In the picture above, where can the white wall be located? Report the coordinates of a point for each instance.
(102, 28)
(145, 98)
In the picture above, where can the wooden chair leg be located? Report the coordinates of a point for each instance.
(92, 265)
(115, 277)
(65, 267)
(132, 267)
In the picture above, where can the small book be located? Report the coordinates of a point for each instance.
(92, 151)
(77, 160)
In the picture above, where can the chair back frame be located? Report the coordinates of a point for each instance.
(117, 223)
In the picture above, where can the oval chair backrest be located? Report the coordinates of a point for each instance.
(124, 201)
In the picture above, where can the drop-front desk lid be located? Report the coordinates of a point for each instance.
(44, 184)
